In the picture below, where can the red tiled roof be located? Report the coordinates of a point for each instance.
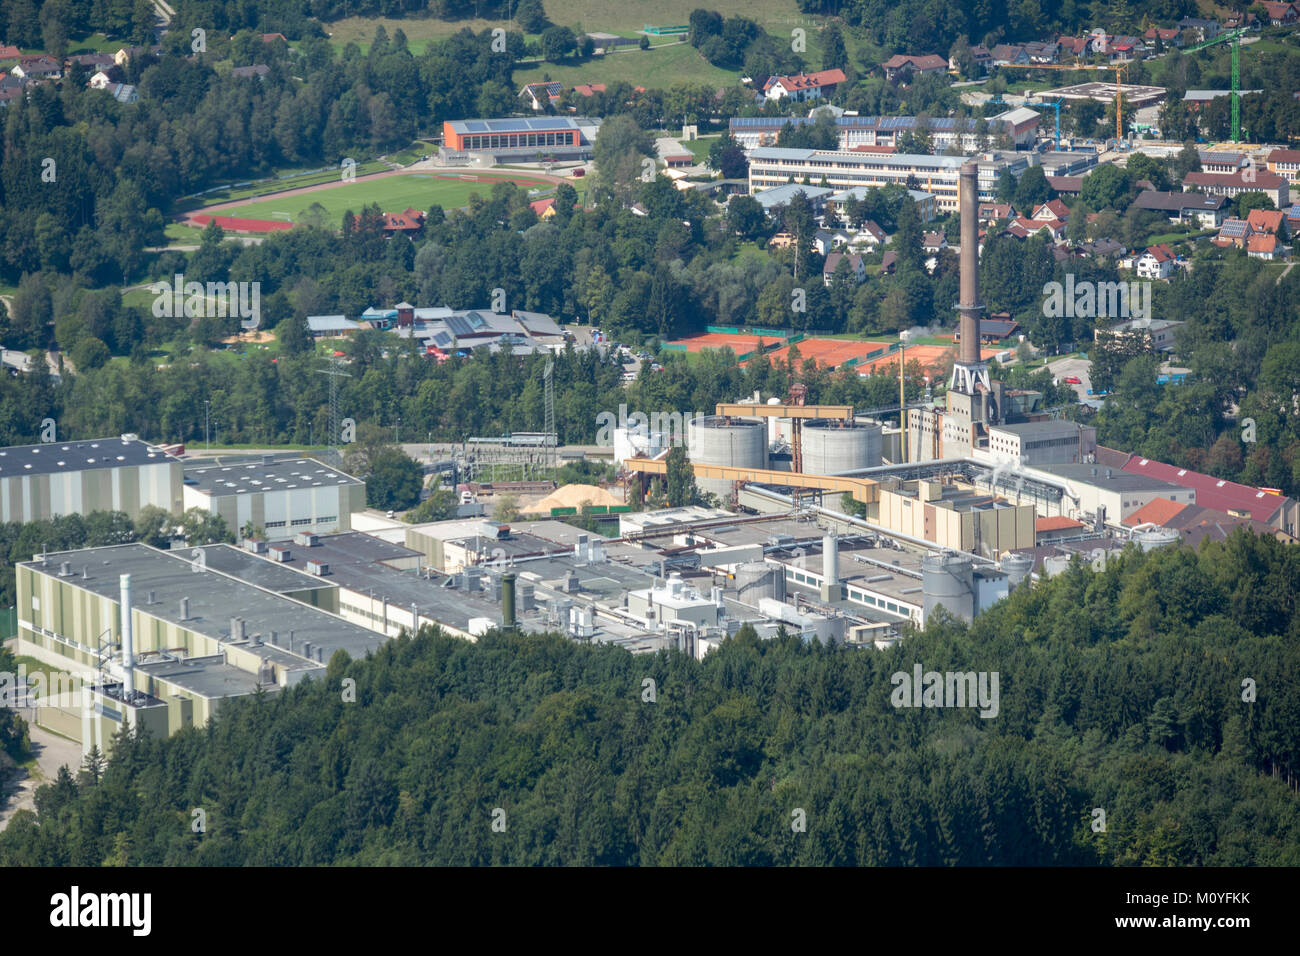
(1155, 512)
(1161, 252)
(1211, 492)
(1284, 156)
(1265, 220)
(1261, 244)
(1262, 179)
(810, 81)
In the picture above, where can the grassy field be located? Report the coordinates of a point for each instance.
(625, 18)
(657, 68)
(285, 179)
(394, 193)
(700, 147)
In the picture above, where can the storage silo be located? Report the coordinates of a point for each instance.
(1017, 568)
(717, 440)
(758, 579)
(1054, 565)
(948, 578)
(833, 447)
(1155, 538)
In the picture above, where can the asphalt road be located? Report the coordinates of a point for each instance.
(1063, 368)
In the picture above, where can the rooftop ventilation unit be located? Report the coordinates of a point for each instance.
(318, 568)
(305, 539)
(255, 545)
(280, 554)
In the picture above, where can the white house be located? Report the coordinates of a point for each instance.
(1156, 263)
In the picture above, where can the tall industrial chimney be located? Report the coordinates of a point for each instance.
(968, 369)
(128, 651)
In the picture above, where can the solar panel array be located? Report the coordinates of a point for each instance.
(514, 125)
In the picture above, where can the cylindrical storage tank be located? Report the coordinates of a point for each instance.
(1055, 564)
(773, 424)
(758, 579)
(1155, 538)
(715, 440)
(834, 447)
(1017, 568)
(947, 578)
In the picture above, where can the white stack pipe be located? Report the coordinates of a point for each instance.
(128, 651)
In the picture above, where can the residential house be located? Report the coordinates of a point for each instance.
(934, 242)
(39, 67)
(1285, 162)
(902, 66)
(1279, 14)
(853, 263)
(1156, 263)
(588, 89)
(809, 86)
(9, 55)
(11, 88)
(1293, 219)
(1100, 249)
(1206, 211)
(889, 263)
(272, 37)
(543, 208)
(1233, 185)
(1066, 185)
(407, 223)
(870, 235)
(92, 62)
(1023, 228)
(1200, 28)
(1008, 54)
(824, 240)
(980, 55)
(1042, 51)
(1233, 232)
(991, 212)
(1264, 247)
(1266, 221)
(1169, 37)
(1050, 210)
(537, 96)
(1077, 47)
(1236, 21)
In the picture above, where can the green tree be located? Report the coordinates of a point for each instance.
(394, 480)
(681, 489)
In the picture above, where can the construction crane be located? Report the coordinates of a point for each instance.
(1236, 90)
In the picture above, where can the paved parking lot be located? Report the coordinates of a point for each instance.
(1063, 368)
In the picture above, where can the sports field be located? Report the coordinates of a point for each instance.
(740, 344)
(830, 352)
(392, 193)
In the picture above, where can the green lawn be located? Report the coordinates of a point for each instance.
(700, 147)
(674, 64)
(625, 18)
(394, 193)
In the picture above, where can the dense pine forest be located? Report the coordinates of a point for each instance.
(1120, 691)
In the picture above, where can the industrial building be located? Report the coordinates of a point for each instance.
(1054, 441)
(282, 496)
(40, 482)
(839, 169)
(1020, 125)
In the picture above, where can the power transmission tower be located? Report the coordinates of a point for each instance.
(548, 425)
(334, 375)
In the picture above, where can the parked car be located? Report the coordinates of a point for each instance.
(1073, 380)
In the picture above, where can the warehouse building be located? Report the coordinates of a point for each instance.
(39, 482)
(520, 138)
(283, 496)
(1041, 443)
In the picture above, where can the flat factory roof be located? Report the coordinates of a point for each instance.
(286, 474)
(58, 457)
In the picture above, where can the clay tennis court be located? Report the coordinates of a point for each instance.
(740, 344)
(829, 352)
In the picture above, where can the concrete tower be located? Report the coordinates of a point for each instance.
(968, 371)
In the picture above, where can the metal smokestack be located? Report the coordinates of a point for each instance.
(969, 306)
(508, 601)
(128, 651)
